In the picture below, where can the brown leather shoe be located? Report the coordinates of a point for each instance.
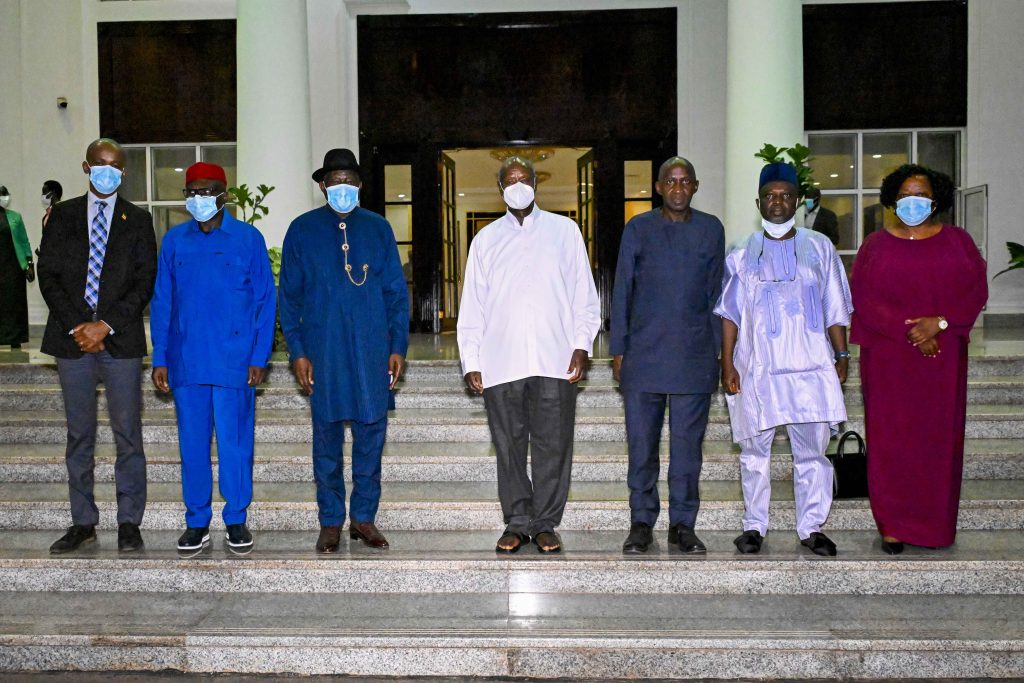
(329, 539)
(368, 534)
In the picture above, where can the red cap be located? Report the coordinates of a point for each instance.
(205, 171)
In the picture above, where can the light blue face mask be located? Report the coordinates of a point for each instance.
(202, 208)
(343, 197)
(106, 179)
(809, 203)
(914, 211)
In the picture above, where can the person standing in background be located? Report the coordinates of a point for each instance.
(16, 269)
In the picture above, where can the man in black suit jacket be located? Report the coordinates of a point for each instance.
(97, 266)
(820, 219)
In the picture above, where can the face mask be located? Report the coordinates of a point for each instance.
(106, 179)
(343, 197)
(777, 230)
(809, 203)
(202, 208)
(914, 211)
(45, 199)
(518, 196)
(5, 201)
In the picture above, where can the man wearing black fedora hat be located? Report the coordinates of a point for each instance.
(345, 315)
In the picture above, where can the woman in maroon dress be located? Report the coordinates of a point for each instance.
(918, 287)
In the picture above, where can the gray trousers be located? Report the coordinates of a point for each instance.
(539, 414)
(121, 378)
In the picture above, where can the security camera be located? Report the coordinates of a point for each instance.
(62, 103)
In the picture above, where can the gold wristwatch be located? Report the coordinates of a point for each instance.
(943, 323)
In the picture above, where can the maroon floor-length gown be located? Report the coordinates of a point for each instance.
(915, 407)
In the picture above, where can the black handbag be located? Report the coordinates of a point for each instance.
(850, 478)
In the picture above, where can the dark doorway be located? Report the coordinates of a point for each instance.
(604, 80)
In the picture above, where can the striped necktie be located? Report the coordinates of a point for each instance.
(97, 250)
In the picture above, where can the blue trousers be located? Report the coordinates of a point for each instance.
(121, 380)
(201, 408)
(328, 472)
(688, 420)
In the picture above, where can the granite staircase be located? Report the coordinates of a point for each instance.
(441, 603)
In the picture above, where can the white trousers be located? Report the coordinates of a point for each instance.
(812, 477)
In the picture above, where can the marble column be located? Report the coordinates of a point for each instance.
(273, 109)
(764, 98)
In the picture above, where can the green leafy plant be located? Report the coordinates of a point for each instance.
(1016, 258)
(251, 203)
(799, 155)
(275, 265)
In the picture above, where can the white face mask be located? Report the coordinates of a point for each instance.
(777, 230)
(518, 196)
(5, 201)
(45, 199)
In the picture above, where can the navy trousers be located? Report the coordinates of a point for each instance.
(200, 408)
(121, 379)
(688, 420)
(367, 448)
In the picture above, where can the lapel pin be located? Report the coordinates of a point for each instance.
(124, 217)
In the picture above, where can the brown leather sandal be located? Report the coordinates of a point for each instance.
(550, 539)
(509, 537)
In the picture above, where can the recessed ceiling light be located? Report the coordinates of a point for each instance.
(643, 191)
(833, 175)
(462, 194)
(178, 170)
(401, 196)
(817, 183)
(876, 156)
(851, 165)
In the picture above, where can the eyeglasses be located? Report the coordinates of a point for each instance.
(200, 192)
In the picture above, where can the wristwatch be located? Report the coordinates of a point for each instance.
(841, 355)
(943, 323)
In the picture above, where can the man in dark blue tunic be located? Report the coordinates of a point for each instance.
(664, 342)
(345, 316)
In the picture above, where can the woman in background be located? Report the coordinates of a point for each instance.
(16, 268)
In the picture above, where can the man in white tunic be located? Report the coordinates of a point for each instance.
(785, 307)
(527, 323)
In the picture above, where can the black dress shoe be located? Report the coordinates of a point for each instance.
(819, 544)
(129, 539)
(749, 542)
(239, 539)
(892, 547)
(194, 539)
(75, 537)
(368, 533)
(639, 539)
(684, 537)
(328, 540)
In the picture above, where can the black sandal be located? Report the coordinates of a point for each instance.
(508, 536)
(541, 543)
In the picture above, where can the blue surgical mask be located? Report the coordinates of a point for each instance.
(106, 179)
(809, 203)
(914, 211)
(202, 208)
(343, 197)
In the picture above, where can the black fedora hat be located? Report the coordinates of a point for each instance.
(337, 160)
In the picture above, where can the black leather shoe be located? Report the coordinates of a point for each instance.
(684, 537)
(819, 544)
(639, 539)
(239, 539)
(749, 542)
(129, 539)
(328, 540)
(892, 547)
(75, 537)
(194, 539)
(368, 533)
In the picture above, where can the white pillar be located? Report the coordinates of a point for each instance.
(764, 98)
(273, 109)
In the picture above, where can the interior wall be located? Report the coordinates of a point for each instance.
(995, 145)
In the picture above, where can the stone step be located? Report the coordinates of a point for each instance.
(435, 394)
(436, 506)
(984, 421)
(981, 562)
(468, 461)
(522, 635)
(982, 364)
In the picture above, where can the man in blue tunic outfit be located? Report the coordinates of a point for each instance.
(212, 323)
(345, 315)
(785, 307)
(664, 345)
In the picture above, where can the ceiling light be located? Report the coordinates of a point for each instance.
(833, 175)
(462, 194)
(876, 156)
(851, 165)
(643, 191)
(401, 196)
(817, 183)
(178, 170)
